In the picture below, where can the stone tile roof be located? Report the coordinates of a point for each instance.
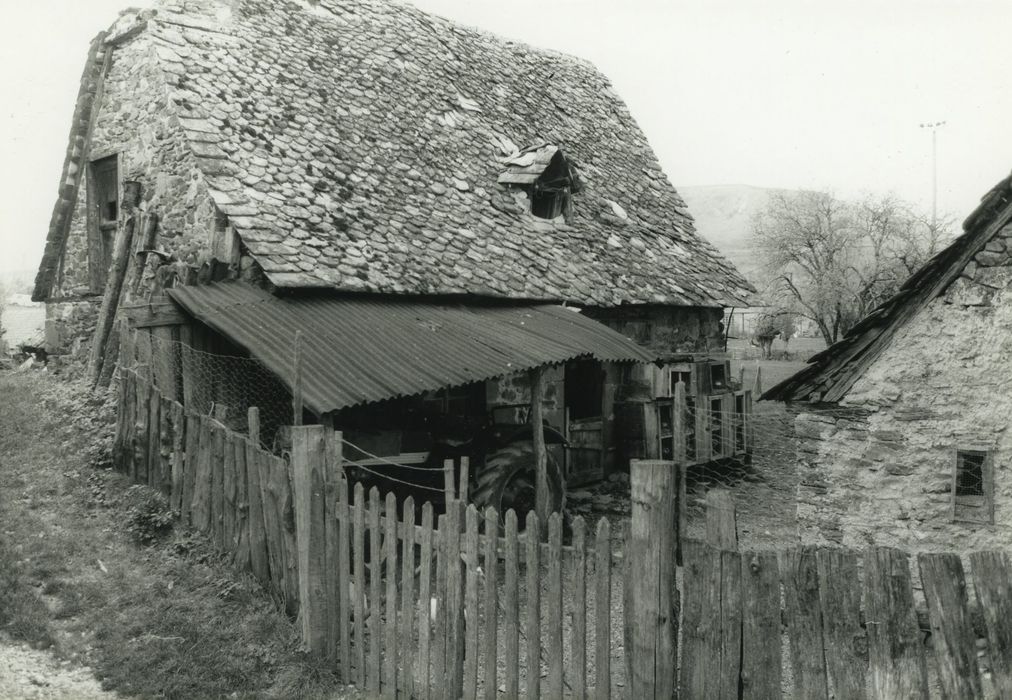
(357, 144)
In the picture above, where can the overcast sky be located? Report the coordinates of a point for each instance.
(779, 93)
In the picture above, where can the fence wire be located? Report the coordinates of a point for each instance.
(224, 386)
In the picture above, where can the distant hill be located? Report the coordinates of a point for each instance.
(723, 215)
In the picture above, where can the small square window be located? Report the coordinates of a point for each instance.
(973, 486)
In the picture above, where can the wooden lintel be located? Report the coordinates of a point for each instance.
(157, 313)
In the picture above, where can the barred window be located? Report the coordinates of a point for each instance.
(973, 486)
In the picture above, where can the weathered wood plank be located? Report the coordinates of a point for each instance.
(163, 360)
(579, 586)
(332, 534)
(390, 545)
(721, 520)
(202, 481)
(255, 514)
(439, 633)
(846, 643)
(424, 600)
(992, 581)
(803, 617)
(123, 448)
(282, 474)
(375, 591)
(648, 622)
(760, 638)
(700, 667)
(454, 600)
(491, 616)
(730, 624)
(139, 465)
(240, 529)
(360, 586)
(602, 611)
(406, 631)
(471, 610)
(554, 605)
(895, 650)
(190, 462)
(165, 442)
(951, 627)
(272, 525)
(178, 419)
(511, 611)
(533, 626)
(310, 536)
(217, 484)
(154, 314)
(154, 438)
(228, 493)
(344, 605)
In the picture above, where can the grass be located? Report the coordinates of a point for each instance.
(168, 620)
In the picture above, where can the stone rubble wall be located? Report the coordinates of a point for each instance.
(136, 121)
(878, 469)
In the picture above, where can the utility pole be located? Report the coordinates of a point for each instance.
(934, 171)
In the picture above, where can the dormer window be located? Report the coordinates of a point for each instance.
(546, 176)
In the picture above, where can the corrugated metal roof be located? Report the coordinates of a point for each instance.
(369, 348)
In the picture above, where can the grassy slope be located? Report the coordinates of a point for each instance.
(167, 620)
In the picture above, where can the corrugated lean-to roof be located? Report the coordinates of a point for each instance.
(360, 349)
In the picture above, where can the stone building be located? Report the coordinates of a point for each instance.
(905, 440)
(320, 148)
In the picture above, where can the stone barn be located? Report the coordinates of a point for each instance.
(364, 152)
(905, 437)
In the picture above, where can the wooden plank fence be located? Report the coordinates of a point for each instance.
(219, 481)
(406, 602)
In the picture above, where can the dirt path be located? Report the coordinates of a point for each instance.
(29, 673)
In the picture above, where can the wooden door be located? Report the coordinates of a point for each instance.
(585, 454)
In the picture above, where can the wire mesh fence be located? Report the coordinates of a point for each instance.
(222, 384)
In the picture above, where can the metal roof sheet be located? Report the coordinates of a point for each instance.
(360, 349)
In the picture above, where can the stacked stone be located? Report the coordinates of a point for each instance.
(986, 275)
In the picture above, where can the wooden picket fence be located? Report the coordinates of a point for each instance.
(406, 602)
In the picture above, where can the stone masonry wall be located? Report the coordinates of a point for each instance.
(878, 469)
(666, 329)
(136, 122)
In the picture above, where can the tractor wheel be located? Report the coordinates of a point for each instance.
(508, 481)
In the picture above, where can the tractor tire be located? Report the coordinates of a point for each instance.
(507, 482)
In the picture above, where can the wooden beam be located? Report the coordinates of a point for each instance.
(542, 498)
(155, 313)
(111, 299)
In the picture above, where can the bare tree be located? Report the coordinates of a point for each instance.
(832, 261)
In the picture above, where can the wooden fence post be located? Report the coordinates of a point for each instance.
(649, 622)
(721, 521)
(542, 501)
(308, 457)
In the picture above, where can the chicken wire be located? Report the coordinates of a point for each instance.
(226, 387)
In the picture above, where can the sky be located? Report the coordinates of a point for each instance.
(790, 94)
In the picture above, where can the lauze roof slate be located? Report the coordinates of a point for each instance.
(357, 145)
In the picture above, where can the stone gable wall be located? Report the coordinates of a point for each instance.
(878, 469)
(135, 121)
